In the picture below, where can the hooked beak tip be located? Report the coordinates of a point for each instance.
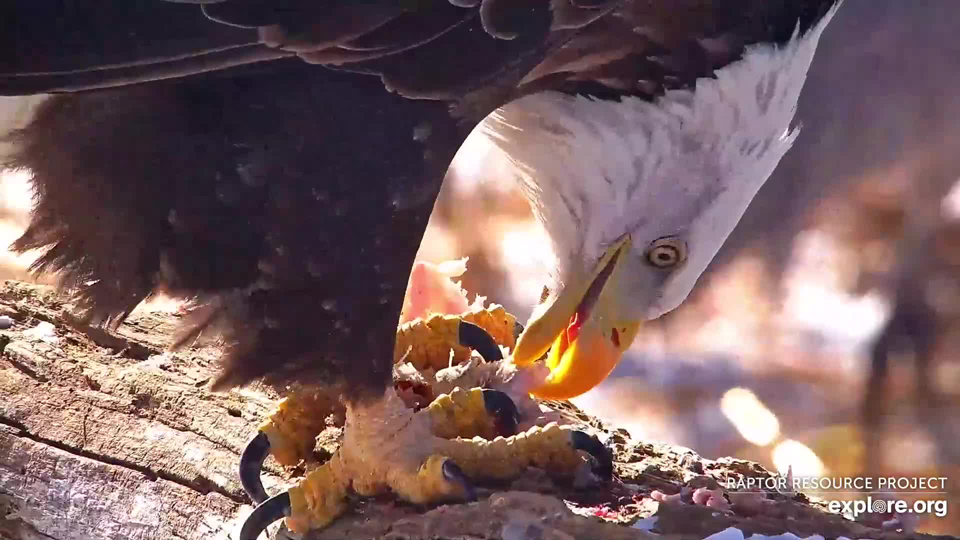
(581, 329)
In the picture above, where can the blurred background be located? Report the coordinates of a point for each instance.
(826, 334)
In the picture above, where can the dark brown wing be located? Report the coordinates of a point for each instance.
(59, 45)
(430, 47)
(421, 48)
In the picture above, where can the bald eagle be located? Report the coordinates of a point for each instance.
(281, 159)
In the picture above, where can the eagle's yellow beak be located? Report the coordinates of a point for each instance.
(583, 327)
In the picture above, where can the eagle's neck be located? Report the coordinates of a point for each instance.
(595, 169)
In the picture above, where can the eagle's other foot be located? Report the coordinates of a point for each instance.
(422, 458)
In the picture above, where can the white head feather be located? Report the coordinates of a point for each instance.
(687, 165)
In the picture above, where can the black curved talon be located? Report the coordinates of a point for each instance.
(602, 456)
(454, 474)
(475, 337)
(267, 513)
(503, 410)
(251, 463)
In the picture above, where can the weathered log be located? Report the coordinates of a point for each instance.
(103, 436)
(61, 494)
(106, 437)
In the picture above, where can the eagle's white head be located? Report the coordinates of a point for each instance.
(637, 197)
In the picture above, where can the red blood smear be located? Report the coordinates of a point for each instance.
(604, 512)
(573, 329)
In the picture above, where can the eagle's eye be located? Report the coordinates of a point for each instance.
(667, 252)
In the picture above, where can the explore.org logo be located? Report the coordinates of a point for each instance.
(897, 496)
(888, 506)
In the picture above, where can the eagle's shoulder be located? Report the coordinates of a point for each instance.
(644, 49)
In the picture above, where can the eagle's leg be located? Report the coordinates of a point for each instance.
(388, 447)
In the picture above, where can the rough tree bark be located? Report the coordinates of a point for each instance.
(104, 436)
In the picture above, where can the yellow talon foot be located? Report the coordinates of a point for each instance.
(289, 434)
(293, 426)
(385, 447)
(319, 498)
(427, 343)
(421, 458)
(473, 413)
(560, 450)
